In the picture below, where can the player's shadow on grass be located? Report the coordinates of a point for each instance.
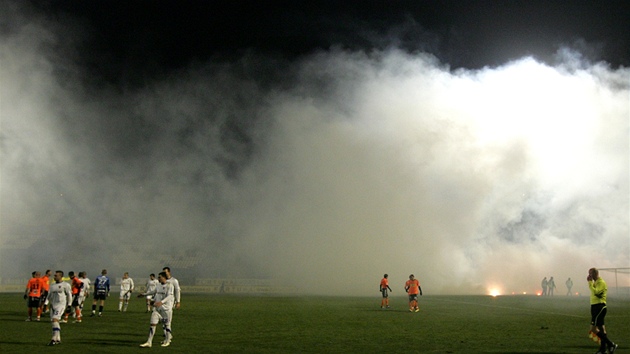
(116, 342)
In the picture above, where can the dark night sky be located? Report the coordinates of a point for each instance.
(123, 39)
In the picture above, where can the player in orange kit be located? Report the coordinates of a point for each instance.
(33, 293)
(45, 279)
(383, 287)
(76, 286)
(412, 287)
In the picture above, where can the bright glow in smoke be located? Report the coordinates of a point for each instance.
(366, 164)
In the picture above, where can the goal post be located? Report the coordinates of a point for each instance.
(621, 281)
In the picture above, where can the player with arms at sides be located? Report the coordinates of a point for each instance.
(101, 292)
(84, 294)
(383, 287)
(126, 288)
(59, 298)
(45, 286)
(152, 283)
(76, 286)
(599, 292)
(412, 287)
(164, 298)
(175, 282)
(33, 293)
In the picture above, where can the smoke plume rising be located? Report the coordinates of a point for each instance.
(325, 174)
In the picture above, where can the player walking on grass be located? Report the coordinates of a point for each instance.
(126, 288)
(383, 287)
(45, 286)
(76, 285)
(84, 294)
(59, 298)
(101, 292)
(152, 283)
(164, 298)
(412, 287)
(599, 292)
(33, 295)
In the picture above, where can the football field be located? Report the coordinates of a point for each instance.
(265, 324)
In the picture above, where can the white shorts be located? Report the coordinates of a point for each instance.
(161, 315)
(57, 311)
(125, 296)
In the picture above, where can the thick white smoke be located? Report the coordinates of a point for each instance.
(359, 164)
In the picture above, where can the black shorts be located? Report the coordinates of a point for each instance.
(100, 295)
(384, 292)
(75, 300)
(413, 297)
(33, 301)
(42, 299)
(598, 313)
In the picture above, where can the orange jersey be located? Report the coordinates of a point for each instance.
(76, 285)
(384, 283)
(45, 283)
(34, 287)
(413, 287)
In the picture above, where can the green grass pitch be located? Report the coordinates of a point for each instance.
(268, 324)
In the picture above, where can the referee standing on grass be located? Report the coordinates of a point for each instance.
(599, 291)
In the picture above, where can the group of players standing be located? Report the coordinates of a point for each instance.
(162, 296)
(412, 288)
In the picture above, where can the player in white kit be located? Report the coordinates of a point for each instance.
(126, 288)
(85, 291)
(152, 283)
(59, 299)
(162, 310)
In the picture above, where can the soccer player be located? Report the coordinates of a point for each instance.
(85, 292)
(101, 292)
(45, 286)
(175, 283)
(33, 293)
(162, 310)
(383, 287)
(59, 297)
(569, 284)
(599, 292)
(126, 288)
(543, 284)
(551, 286)
(152, 283)
(412, 287)
(176, 290)
(76, 286)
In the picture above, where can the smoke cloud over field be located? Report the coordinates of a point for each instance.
(339, 167)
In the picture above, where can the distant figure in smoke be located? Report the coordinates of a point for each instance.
(569, 284)
(383, 287)
(412, 287)
(543, 284)
(126, 288)
(33, 293)
(551, 285)
(101, 292)
(599, 292)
